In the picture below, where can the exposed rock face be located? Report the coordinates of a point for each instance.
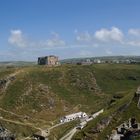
(6, 134)
(51, 103)
(126, 131)
(132, 128)
(101, 125)
(4, 82)
(106, 121)
(44, 88)
(133, 78)
(96, 86)
(81, 82)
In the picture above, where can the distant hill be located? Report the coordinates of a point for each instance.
(103, 58)
(16, 63)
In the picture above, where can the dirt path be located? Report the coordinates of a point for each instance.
(138, 103)
(69, 135)
(9, 112)
(9, 77)
(20, 123)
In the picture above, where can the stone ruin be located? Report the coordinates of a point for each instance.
(6, 134)
(126, 131)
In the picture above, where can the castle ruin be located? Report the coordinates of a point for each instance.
(51, 60)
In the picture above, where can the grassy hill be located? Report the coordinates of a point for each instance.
(40, 95)
(119, 112)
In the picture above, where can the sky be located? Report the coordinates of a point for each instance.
(68, 28)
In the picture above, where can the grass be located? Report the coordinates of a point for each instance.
(19, 131)
(119, 118)
(6, 71)
(60, 131)
(114, 78)
(71, 88)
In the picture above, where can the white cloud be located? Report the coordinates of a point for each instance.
(109, 37)
(133, 38)
(26, 49)
(84, 37)
(75, 31)
(113, 35)
(55, 41)
(106, 35)
(17, 39)
(135, 43)
(134, 32)
(54, 34)
(101, 42)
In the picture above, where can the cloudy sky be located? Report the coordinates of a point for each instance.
(68, 28)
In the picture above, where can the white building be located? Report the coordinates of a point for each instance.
(72, 117)
(87, 62)
(97, 61)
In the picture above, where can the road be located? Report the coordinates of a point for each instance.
(69, 135)
(55, 126)
(20, 123)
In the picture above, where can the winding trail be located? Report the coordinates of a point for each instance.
(20, 123)
(9, 79)
(69, 135)
(138, 105)
(12, 113)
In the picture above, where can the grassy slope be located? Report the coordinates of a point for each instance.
(116, 81)
(59, 132)
(62, 83)
(70, 87)
(5, 71)
(131, 111)
(117, 78)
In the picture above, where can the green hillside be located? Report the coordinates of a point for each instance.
(39, 95)
(120, 111)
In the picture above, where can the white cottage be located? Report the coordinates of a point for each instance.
(72, 117)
